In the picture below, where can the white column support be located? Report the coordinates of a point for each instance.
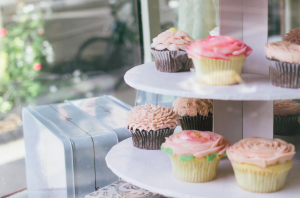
(247, 20)
(151, 25)
(228, 119)
(255, 34)
(258, 119)
(231, 18)
(241, 119)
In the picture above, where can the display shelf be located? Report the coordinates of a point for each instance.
(151, 169)
(254, 86)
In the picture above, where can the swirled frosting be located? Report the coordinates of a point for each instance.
(284, 51)
(172, 39)
(192, 106)
(151, 117)
(196, 143)
(261, 151)
(293, 36)
(286, 107)
(218, 47)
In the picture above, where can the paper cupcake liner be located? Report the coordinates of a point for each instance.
(172, 61)
(150, 140)
(199, 122)
(286, 125)
(285, 75)
(261, 180)
(211, 71)
(197, 171)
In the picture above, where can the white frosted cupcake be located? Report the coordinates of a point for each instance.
(168, 49)
(261, 165)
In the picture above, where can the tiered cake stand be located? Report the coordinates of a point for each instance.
(240, 111)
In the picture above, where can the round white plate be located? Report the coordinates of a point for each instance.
(152, 170)
(254, 87)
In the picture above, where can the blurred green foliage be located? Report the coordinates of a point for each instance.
(21, 58)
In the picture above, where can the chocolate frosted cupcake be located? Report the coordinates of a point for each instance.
(286, 116)
(168, 49)
(150, 125)
(196, 114)
(284, 63)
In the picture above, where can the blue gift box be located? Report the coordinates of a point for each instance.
(66, 145)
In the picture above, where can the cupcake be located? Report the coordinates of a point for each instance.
(284, 63)
(195, 155)
(218, 60)
(261, 165)
(168, 49)
(286, 116)
(196, 114)
(293, 36)
(149, 125)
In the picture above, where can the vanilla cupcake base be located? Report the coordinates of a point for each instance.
(197, 171)
(261, 180)
(219, 72)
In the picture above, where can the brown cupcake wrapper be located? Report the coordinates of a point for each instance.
(150, 140)
(199, 122)
(286, 125)
(284, 74)
(172, 61)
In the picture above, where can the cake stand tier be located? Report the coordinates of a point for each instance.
(152, 170)
(254, 87)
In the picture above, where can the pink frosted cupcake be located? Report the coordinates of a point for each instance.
(195, 155)
(218, 60)
(284, 63)
(168, 49)
(261, 165)
(150, 125)
(196, 114)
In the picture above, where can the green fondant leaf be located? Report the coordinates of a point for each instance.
(167, 150)
(185, 158)
(211, 157)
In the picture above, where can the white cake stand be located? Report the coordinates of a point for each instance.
(152, 170)
(240, 111)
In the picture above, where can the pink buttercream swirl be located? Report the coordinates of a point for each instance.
(284, 51)
(218, 47)
(172, 40)
(196, 143)
(286, 107)
(261, 151)
(192, 106)
(151, 117)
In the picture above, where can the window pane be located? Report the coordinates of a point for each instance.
(59, 50)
